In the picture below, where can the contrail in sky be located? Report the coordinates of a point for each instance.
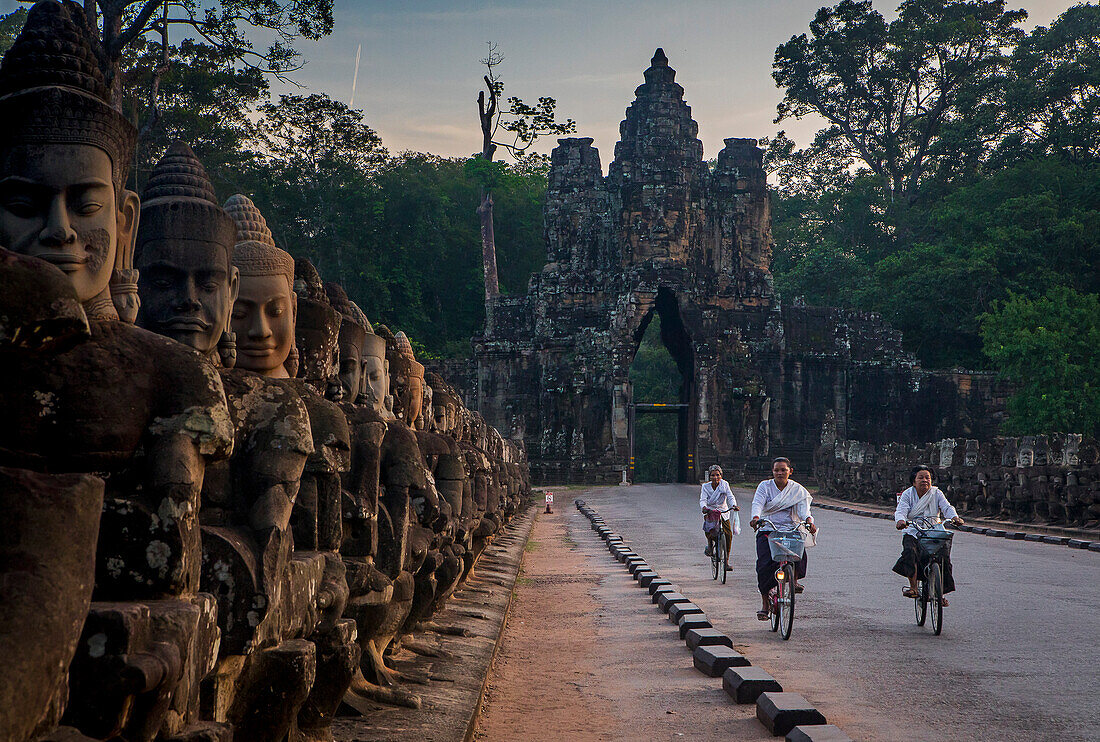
(355, 77)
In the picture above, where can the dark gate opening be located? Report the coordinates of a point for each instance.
(662, 380)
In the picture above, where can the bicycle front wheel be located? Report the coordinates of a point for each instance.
(786, 603)
(725, 555)
(920, 603)
(715, 555)
(935, 586)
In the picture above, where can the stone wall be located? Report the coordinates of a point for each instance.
(1051, 479)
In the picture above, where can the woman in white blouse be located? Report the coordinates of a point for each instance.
(717, 495)
(921, 500)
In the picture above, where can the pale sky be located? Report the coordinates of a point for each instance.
(419, 73)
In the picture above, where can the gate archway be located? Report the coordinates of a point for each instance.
(676, 340)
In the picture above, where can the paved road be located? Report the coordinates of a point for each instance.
(1018, 658)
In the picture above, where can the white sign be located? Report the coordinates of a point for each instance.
(549, 498)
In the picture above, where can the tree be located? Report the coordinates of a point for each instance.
(315, 163)
(526, 124)
(896, 94)
(10, 26)
(121, 23)
(1054, 89)
(1050, 349)
(202, 98)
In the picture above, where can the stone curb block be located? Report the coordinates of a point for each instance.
(1033, 537)
(639, 574)
(1060, 540)
(714, 660)
(817, 733)
(1094, 546)
(1016, 536)
(665, 600)
(682, 609)
(745, 684)
(704, 636)
(782, 712)
(661, 590)
(645, 578)
(1075, 543)
(622, 556)
(639, 567)
(656, 584)
(691, 622)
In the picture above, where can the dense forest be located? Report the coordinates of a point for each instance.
(955, 189)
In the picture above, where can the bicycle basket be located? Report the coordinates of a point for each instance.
(935, 543)
(786, 546)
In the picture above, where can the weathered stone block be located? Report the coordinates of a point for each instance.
(704, 636)
(645, 578)
(782, 712)
(817, 733)
(655, 585)
(691, 622)
(713, 660)
(665, 600)
(681, 609)
(662, 590)
(745, 684)
(1060, 540)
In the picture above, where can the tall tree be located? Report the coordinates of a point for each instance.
(10, 26)
(894, 94)
(221, 24)
(525, 124)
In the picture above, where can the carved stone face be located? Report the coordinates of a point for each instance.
(263, 318)
(413, 398)
(423, 422)
(187, 291)
(375, 382)
(350, 373)
(58, 203)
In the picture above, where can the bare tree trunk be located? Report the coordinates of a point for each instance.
(485, 210)
(488, 247)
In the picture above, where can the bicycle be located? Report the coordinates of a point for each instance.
(719, 544)
(787, 547)
(934, 542)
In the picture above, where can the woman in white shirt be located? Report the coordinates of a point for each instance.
(785, 503)
(717, 495)
(922, 499)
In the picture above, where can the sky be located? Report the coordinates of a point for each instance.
(419, 70)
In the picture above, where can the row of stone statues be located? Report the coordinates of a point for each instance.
(227, 498)
(1044, 479)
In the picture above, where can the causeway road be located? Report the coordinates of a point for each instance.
(1019, 657)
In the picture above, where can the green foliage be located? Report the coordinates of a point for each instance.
(10, 26)
(655, 378)
(1050, 348)
(1004, 201)
(895, 93)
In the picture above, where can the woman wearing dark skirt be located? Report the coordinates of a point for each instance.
(921, 500)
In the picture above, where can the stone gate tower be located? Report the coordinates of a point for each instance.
(665, 232)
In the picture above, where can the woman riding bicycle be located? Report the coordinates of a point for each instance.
(785, 503)
(717, 495)
(922, 500)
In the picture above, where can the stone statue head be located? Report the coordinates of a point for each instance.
(184, 254)
(317, 330)
(353, 335)
(266, 309)
(406, 379)
(64, 156)
(445, 404)
(374, 386)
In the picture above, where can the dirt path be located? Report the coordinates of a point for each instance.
(586, 656)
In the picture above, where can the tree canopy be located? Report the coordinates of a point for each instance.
(960, 166)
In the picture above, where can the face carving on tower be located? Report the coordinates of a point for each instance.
(64, 154)
(184, 254)
(266, 307)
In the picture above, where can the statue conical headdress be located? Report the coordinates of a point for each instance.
(179, 203)
(52, 88)
(251, 225)
(403, 346)
(255, 253)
